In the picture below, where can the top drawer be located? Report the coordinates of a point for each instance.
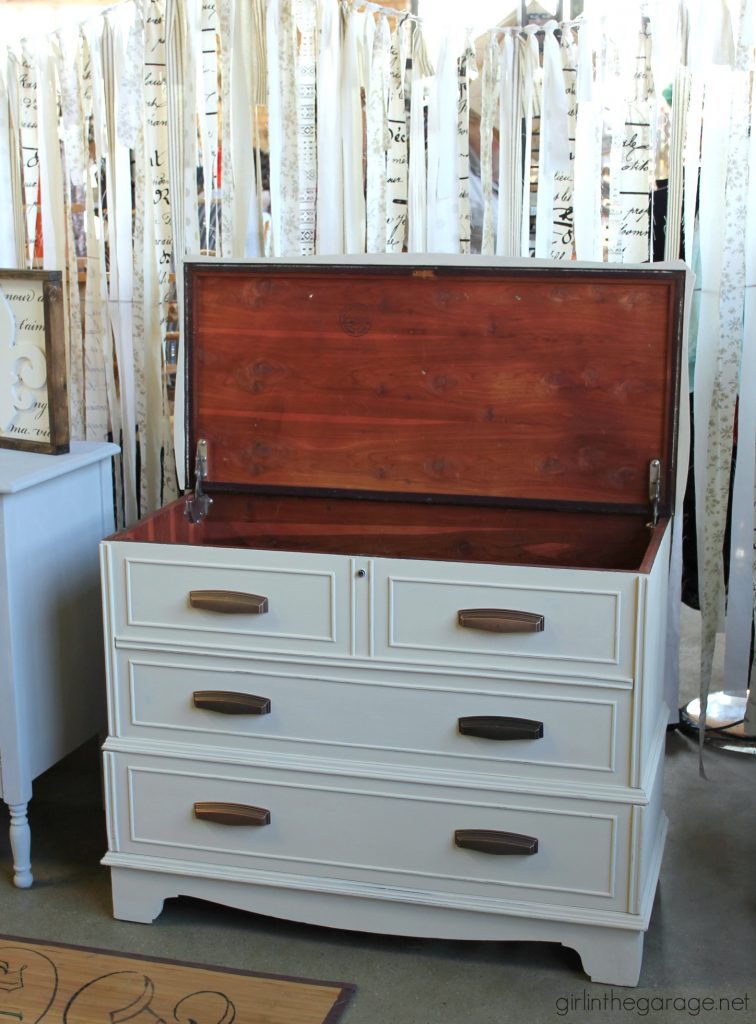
(160, 593)
(586, 630)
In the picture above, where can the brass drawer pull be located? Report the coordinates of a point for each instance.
(229, 602)
(226, 702)
(500, 620)
(490, 841)
(231, 814)
(499, 727)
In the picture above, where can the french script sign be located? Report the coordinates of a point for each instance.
(33, 398)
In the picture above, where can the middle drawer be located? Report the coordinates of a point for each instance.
(441, 722)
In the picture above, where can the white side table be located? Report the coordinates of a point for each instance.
(54, 510)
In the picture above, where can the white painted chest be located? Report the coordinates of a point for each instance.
(403, 674)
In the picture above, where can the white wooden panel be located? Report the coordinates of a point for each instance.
(411, 718)
(308, 597)
(589, 617)
(359, 829)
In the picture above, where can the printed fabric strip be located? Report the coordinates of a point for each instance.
(306, 83)
(713, 434)
(489, 100)
(418, 171)
(553, 147)
(376, 141)
(351, 126)
(397, 155)
(329, 239)
(463, 142)
(509, 225)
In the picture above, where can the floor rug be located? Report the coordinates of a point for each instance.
(47, 983)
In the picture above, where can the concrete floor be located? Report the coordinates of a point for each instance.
(701, 943)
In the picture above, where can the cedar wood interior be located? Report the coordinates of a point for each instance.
(491, 414)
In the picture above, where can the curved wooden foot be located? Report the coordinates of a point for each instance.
(137, 895)
(20, 841)
(612, 956)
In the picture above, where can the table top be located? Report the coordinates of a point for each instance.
(19, 470)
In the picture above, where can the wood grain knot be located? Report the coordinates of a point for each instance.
(356, 320)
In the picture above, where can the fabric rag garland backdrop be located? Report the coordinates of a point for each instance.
(166, 128)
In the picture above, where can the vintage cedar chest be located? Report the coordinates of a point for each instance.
(405, 674)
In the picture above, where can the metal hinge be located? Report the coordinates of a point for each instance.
(198, 505)
(654, 489)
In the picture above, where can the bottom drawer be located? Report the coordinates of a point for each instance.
(328, 824)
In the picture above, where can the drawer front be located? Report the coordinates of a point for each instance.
(179, 595)
(362, 830)
(572, 623)
(457, 723)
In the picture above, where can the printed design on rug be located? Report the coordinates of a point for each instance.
(43, 983)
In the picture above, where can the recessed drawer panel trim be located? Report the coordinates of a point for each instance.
(584, 627)
(304, 613)
(353, 830)
(412, 720)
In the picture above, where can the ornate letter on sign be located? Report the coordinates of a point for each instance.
(33, 401)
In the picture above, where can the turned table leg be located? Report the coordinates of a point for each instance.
(20, 841)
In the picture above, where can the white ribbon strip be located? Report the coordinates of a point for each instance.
(160, 288)
(553, 149)
(72, 116)
(330, 210)
(397, 156)
(54, 233)
(742, 291)
(489, 99)
(148, 485)
(7, 242)
(588, 139)
(306, 79)
(563, 230)
(509, 225)
(28, 122)
(129, 113)
(736, 342)
(209, 121)
(247, 55)
(284, 142)
(418, 172)
(18, 222)
(711, 472)
(352, 146)
(612, 86)
(121, 259)
(672, 648)
(254, 35)
(680, 100)
(275, 126)
(232, 199)
(95, 389)
(66, 62)
(97, 311)
(529, 67)
(443, 156)
(463, 142)
(50, 170)
(376, 138)
(692, 161)
(712, 39)
(183, 59)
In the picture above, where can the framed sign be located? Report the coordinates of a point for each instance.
(33, 397)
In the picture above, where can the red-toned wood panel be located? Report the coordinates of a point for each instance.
(401, 530)
(537, 385)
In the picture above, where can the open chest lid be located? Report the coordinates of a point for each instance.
(521, 384)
